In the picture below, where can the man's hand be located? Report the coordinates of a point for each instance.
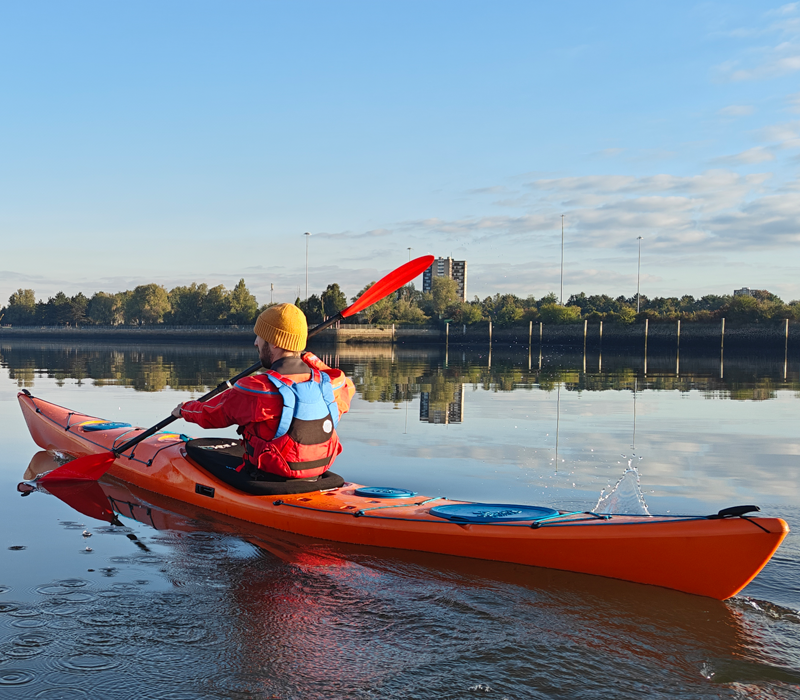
(177, 410)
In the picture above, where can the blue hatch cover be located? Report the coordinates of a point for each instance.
(491, 512)
(91, 427)
(384, 492)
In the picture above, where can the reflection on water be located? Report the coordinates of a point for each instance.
(256, 613)
(395, 375)
(178, 603)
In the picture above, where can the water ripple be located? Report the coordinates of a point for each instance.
(61, 609)
(32, 639)
(109, 618)
(29, 623)
(62, 693)
(15, 676)
(15, 652)
(90, 661)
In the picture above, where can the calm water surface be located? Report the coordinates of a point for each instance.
(181, 604)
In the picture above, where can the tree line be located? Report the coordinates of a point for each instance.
(410, 306)
(147, 304)
(197, 304)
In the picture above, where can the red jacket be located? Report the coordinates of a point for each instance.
(255, 405)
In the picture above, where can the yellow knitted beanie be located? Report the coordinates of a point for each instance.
(283, 325)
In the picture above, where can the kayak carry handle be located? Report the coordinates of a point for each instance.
(733, 512)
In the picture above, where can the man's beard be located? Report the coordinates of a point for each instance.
(266, 357)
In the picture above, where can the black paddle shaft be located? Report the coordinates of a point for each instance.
(223, 386)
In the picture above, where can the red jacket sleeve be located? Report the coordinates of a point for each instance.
(251, 400)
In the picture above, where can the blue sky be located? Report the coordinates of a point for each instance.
(174, 142)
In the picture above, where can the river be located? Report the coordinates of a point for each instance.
(176, 604)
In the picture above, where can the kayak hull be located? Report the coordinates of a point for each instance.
(709, 557)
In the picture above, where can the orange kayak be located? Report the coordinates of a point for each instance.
(709, 556)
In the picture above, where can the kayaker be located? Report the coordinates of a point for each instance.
(287, 416)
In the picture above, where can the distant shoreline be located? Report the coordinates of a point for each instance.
(657, 336)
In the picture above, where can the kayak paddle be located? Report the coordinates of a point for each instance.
(92, 467)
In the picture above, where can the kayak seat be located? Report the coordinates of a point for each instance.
(221, 457)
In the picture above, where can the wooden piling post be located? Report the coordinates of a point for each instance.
(722, 336)
(490, 333)
(585, 329)
(646, 333)
(679, 334)
(530, 333)
(786, 350)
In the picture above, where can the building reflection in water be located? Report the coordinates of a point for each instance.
(453, 412)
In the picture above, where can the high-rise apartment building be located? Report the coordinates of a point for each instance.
(447, 267)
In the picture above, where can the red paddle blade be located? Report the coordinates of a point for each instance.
(391, 283)
(89, 468)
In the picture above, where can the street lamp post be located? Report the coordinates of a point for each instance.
(409, 254)
(638, 273)
(271, 289)
(307, 235)
(561, 295)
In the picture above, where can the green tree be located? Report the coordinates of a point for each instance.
(147, 305)
(216, 306)
(406, 311)
(244, 307)
(21, 309)
(333, 300)
(743, 309)
(57, 311)
(78, 307)
(555, 313)
(370, 312)
(764, 295)
(468, 312)
(312, 308)
(550, 298)
(626, 315)
(443, 295)
(103, 309)
(186, 304)
(506, 309)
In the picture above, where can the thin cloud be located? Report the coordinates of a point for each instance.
(608, 153)
(751, 156)
(352, 235)
(716, 210)
(779, 133)
(736, 110)
(766, 61)
(496, 189)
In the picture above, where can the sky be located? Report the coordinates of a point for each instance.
(193, 141)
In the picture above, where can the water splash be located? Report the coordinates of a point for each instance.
(625, 497)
